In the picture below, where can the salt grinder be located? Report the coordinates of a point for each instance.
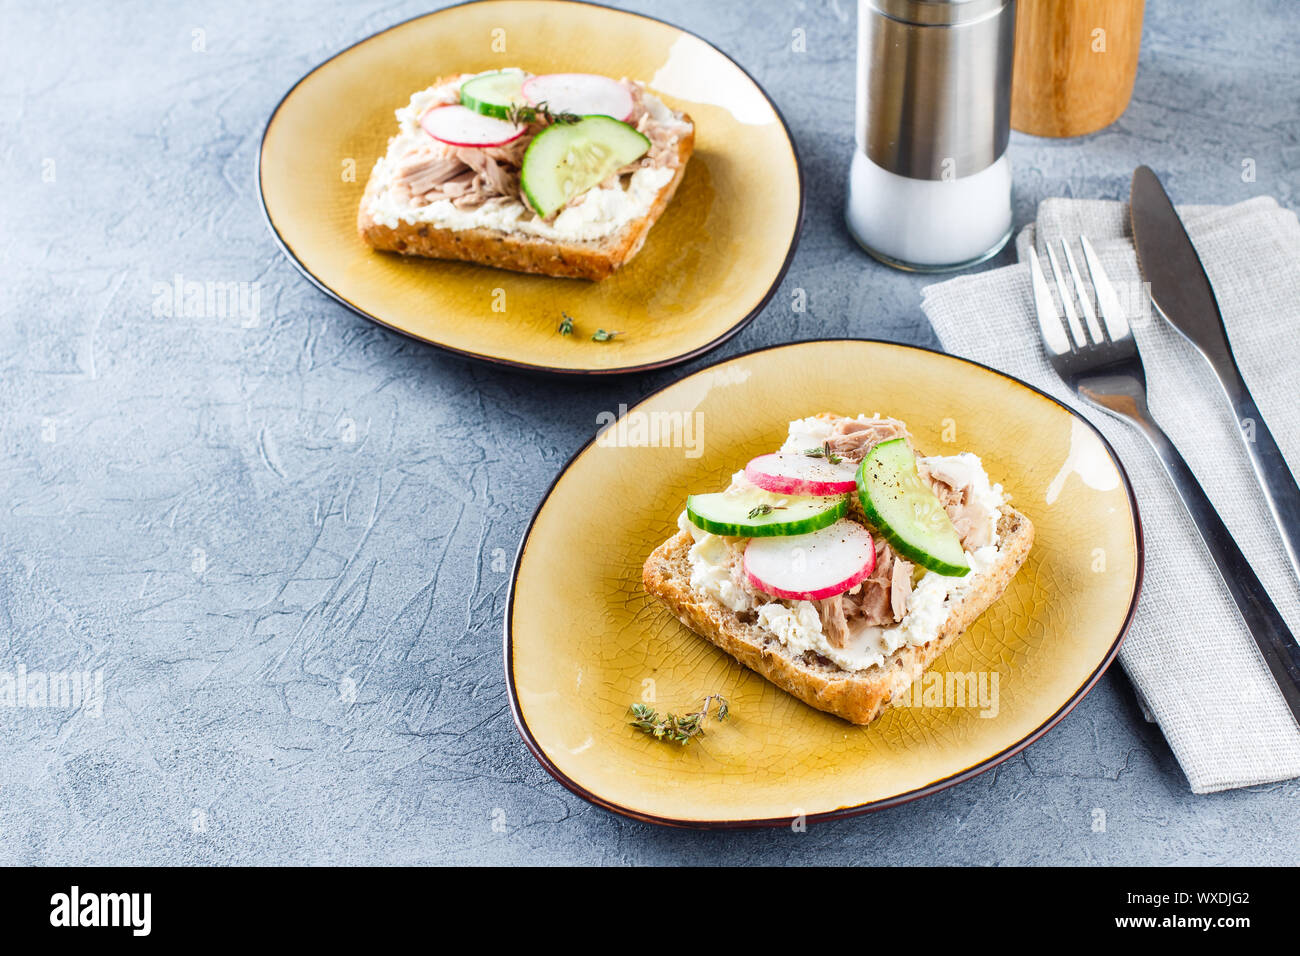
(930, 184)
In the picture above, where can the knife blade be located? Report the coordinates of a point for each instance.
(1183, 295)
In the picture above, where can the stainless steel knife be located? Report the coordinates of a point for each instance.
(1182, 293)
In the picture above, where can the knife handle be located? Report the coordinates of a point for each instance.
(1279, 484)
(1263, 621)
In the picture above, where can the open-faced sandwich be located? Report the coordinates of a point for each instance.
(561, 174)
(841, 566)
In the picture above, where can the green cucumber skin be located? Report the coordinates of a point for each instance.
(529, 198)
(897, 542)
(557, 129)
(495, 110)
(770, 529)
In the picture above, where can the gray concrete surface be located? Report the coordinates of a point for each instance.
(233, 523)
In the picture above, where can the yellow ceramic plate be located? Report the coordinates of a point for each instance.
(709, 265)
(583, 640)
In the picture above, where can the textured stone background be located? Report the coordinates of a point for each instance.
(180, 505)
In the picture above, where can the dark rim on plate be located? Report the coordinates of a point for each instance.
(511, 363)
(961, 776)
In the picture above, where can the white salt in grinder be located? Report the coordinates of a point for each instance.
(930, 185)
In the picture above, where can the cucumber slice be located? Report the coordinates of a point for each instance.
(493, 94)
(567, 159)
(906, 510)
(755, 513)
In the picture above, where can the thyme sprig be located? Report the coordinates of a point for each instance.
(679, 730)
(520, 114)
(567, 326)
(759, 510)
(824, 452)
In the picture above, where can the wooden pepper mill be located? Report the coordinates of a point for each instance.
(1075, 63)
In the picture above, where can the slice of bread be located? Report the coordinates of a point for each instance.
(585, 259)
(857, 696)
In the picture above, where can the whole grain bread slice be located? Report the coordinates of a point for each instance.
(593, 259)
(857, 696)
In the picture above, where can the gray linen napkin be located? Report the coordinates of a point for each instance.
(1195, 667)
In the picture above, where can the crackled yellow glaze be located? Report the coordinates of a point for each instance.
(706, 267)
(585, 641)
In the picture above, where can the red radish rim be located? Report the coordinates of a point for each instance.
(519, 129)
(631, 102)
(817, 595)
(851, 581)
(790, 485)
(783, 485)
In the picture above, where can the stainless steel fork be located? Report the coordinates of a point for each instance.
(1105, 369)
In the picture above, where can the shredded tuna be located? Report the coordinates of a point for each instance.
(881, 600)
(495, 173)
(663, 142)
(511, 154)
(954, 489)
(467, 176)
(900, 587)
(422, 171)
(459, 185)
(852, 438)
(663, 136)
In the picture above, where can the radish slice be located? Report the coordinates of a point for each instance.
(461, 126)
(585, 94)
(809, 567)
(793, 474)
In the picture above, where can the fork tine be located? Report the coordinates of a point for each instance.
(1085, 300)
(1071, 317)
(1049, 322)
(1107, 301)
